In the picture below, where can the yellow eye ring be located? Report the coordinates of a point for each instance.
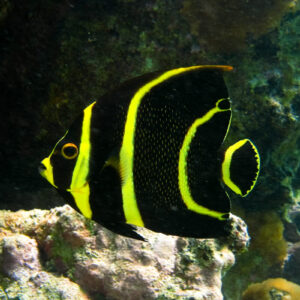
(69, 151)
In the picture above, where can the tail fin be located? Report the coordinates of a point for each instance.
(240, 167)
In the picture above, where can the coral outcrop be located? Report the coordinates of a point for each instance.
(59, 252)
(23, 277)
(225, 26)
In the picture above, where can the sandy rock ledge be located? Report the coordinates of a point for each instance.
(58, 254)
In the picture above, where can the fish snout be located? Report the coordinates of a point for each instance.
(42, 169)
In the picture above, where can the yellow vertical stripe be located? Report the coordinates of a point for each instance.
(130, 207)
(79, 187)
(82, 197)
(182, 166)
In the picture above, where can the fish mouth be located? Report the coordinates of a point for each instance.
(42, 169)
(46, 170)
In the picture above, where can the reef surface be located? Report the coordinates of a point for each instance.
(58, 254)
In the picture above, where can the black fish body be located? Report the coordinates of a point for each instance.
(148, 154)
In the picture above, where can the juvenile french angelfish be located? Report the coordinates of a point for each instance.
(150, 154)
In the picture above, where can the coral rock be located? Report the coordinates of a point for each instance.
(20, 256)
(108, 265)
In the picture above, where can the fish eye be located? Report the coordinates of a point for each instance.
(69, 151)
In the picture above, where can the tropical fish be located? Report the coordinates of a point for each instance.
(150, 154)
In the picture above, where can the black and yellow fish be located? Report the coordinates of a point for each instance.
(150, 154)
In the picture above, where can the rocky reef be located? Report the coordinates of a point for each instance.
(58, 254)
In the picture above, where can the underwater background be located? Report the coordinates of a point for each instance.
(56, 57)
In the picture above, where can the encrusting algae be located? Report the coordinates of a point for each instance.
(272, 289)
(267, 238)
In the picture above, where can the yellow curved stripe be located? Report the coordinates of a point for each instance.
(182, 166)
(130, 207)
(79, 187)
(226, 166)
(227, 162)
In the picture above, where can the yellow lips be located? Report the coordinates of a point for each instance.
(46, 171)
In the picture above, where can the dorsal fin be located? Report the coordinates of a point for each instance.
(240, 167)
